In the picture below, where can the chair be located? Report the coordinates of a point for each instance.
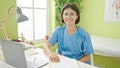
(91, 60)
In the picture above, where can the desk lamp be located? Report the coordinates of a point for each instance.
(11, 13)
(20, 16)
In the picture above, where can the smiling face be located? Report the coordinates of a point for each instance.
(69, 16)
(69, 12)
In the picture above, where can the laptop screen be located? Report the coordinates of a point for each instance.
(13, 53)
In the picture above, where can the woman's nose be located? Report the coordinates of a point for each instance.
(68, 15)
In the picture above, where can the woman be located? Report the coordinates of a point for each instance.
(73, 41)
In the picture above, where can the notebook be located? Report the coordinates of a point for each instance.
(13, 53)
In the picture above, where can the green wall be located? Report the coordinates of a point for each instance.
(11, 25)
(52, 16)
(92, 19)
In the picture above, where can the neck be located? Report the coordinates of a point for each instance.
(71, 29)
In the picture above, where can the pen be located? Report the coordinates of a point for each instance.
(34, 60)
(44, 65)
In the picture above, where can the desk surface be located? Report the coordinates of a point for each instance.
(37, 57)
(41, 58)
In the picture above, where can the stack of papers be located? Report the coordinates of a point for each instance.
(37, 57)
(65, 63)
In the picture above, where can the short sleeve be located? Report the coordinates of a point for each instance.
(88, 44)
(54, 37)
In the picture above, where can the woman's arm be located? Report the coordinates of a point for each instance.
(46, 48)
(85, 58)
(52, 56)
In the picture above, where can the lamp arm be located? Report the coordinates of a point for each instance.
(4, 32)
(11, 12)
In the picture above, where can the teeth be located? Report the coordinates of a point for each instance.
(68, 20)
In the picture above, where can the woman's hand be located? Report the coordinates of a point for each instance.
(54, 57)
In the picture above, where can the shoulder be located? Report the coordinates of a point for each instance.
(59, 28)
(83, 31)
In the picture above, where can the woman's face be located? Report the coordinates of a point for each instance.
(69, 16)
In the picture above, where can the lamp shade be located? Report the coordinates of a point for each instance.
(20, 16)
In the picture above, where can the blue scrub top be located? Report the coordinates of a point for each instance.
(74, 46)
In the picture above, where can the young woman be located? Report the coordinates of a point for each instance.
(73, 41)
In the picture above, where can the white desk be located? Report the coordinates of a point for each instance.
(36, 56)
(41, 58)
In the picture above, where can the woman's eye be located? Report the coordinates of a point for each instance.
(69, 14)
(72, 14)
(66, 14)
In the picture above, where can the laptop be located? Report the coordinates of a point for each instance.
(13, 53)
